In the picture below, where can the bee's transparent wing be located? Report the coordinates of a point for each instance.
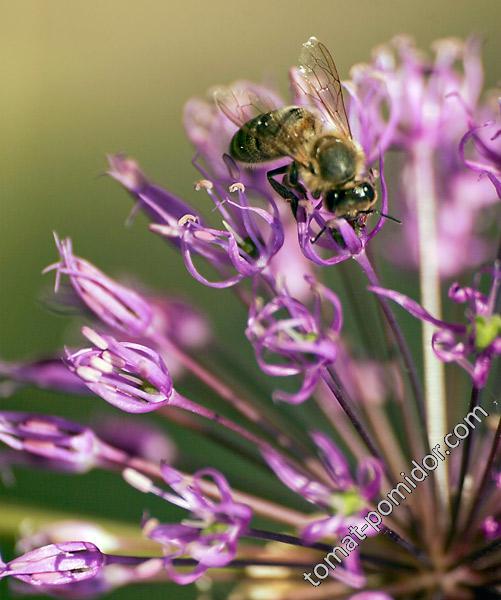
(243, 101)
(319, 82)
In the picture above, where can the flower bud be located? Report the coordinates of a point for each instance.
(130, 376)
(50, 437)
(56, 564)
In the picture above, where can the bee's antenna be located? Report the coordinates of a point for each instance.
(384, 215)
(389, 217)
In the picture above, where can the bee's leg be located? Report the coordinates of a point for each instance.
(329, 226)
(315, 238)
(293, 179)
(281, 189)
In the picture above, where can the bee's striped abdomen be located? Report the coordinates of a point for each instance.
(260, 139)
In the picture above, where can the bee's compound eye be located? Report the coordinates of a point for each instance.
(331, 199)
(368, 191)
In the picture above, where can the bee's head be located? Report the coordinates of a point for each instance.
(349, 202)
(336, 160)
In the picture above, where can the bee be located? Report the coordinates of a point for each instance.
(326, 160)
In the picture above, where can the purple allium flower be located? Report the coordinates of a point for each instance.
(343, 500)
(48, 373)
(130, 376)
(140, 439)
(250, 238)
(474, 345)
(426, 108)
(56, 564)
(213, 531)
(290, 339)
(486, 157)
(117, 306)
(147, 317)
(419, 89)
(112, 575)
(491, 527)
(159, 204)
(344, 495)
(64, 443)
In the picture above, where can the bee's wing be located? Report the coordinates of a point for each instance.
(242, 101)
(319, 82)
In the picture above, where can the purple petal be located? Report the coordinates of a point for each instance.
(415, 309)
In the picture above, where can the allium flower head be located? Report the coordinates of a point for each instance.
(370, 420)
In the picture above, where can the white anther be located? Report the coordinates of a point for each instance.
(138, 480)
(185, 219)
(204, 184)
(150, 525)
(89, 374)
(113, 359)
(132, 378)
(237, 187)
(101, 365)
(95, 338)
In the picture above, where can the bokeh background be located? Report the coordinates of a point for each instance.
(80, 79)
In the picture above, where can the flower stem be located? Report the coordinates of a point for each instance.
(465, 463)
(296, 541)
(406, 545)
(243, 406)
(330, 378)
(482, 552)
(284, 538)
(405, 353)
(479, 496)
(429, 276)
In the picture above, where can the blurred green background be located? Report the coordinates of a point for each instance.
(84, 78)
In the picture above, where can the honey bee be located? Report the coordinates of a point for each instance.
(326, 160)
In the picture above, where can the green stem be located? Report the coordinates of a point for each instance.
(429, 278)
